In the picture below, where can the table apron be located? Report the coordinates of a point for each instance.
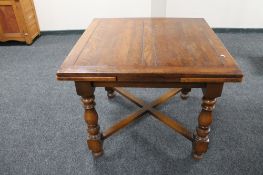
(149, 84)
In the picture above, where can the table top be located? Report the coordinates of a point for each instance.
(154, 49)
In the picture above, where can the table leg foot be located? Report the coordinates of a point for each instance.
(110, 92)
(95, 144)
(185, 93)
(197, 157)
(96, 155)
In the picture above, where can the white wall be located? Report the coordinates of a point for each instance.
(158, 8)
(220, 13)
(77, 14)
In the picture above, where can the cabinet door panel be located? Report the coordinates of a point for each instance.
(18, 21)
(8, 19)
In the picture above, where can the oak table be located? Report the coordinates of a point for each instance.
(177, 53)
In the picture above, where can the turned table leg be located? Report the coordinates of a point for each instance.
(110, 92)
(86, 91)
(200, 138)
(185, 93)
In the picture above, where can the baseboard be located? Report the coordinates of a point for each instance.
(61, 32)
(217, 30)
(238, 30)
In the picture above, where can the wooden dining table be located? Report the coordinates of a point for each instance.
(176, 53)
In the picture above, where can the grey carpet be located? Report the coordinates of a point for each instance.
(42, 130)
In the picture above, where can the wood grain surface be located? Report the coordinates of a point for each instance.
(153, 49)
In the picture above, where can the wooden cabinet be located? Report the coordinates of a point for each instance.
(18, 21)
